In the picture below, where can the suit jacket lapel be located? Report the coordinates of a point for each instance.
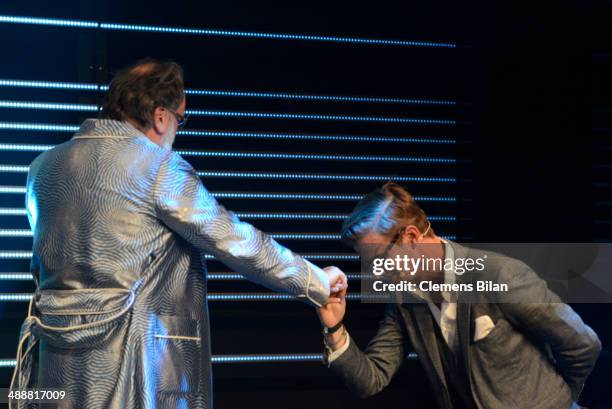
(424, 324)
(464, 312)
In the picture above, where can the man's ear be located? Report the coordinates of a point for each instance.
(160, 121)
(410, 234)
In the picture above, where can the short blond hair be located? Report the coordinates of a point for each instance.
(385, 211)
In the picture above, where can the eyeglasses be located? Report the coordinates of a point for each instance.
(181, 120)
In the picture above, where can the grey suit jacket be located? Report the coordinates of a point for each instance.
(122, 231)
(537, 356)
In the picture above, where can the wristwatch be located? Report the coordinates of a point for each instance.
(331, 330)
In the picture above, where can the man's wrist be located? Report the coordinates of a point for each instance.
(336, 339)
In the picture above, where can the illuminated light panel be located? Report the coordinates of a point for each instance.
(282, 196)
(7, 297)
(235, 359)
(277, 236)
(19, 147)
(274, 36)
(232, 93)
(15, 233)
(258, 155)
(312, 97)
(48, 21)
(28, 255)
(18, 126)
(224, 359)
(289, 176)
(15, 297)
(48, 84)
(274, 196)
(321, 117)
(253, 135)
(14, 168)
(6, 211)
(219, 33)
(263, 216)
(305, 236)
(16, 277)
(298, 156)
(12, 189)
(58, 106)
(340, 138)
(302, 176)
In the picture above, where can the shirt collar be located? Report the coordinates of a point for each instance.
(449, 275)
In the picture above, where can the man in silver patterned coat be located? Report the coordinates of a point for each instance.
(122, 224)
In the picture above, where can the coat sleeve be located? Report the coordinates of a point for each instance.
(370, 371)
(532, 307)
(184, 205)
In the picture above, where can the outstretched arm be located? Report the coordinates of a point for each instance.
(364, 372)
(187, 208)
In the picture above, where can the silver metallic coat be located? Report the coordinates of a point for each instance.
(119, 318)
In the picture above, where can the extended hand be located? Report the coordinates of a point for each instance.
(337, 279)
(333, 312)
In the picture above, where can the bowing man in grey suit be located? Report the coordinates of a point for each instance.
(477, 354)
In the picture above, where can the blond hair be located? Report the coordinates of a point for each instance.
(385, 211)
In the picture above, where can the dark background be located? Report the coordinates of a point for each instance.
(532, 85)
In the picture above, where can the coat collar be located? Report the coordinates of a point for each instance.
(106, 128)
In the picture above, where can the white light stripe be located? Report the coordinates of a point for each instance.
(9, 254)
(221, 33)
(260, 155)
(235, 93)
(274, 195)
(237, 359)
(48, 84)
(299, 176)
(268, 216)
(310, 176)
(251, 135)
(60, 106)
(20, 126)
(57, 106)
(321, 117)
(12, 189)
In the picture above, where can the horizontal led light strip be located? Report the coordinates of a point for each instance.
(60, 106)
(274, 195)
(259, 215)
(17, 255)
(227, 93)
(239, 359)
(10, 297)
(277, 236)
(339, 138)
(18, 126)
(217, 33)
(21, 126)
(261, 155)
(287, 176)
(209, 276)
(319, 176)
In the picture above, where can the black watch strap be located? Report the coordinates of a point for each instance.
(331, 330)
